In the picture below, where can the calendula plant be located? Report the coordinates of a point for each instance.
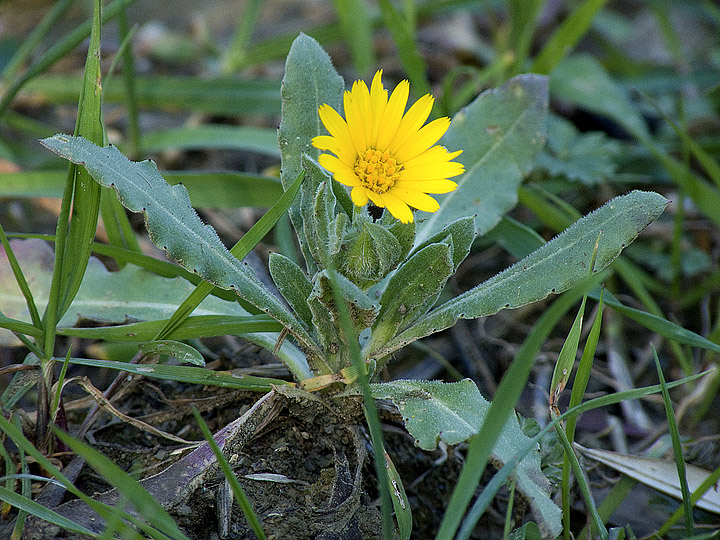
(376, 256)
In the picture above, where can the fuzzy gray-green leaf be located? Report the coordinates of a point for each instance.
(172, 223)
(310, 81)
(499, 133)
(411, 291)
(317, 210)
(453, 412)
(368, 253)
(325, 314)
(293, 284)
(462, 232)
(403, 232)
(555, 267)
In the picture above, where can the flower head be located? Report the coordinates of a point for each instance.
(385, 154)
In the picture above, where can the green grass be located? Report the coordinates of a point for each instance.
(661, 112)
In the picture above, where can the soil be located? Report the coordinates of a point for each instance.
(304, 462)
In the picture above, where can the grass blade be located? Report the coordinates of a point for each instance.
(261, 140)
(58, 51)
(410, 57)
(20, 280)
(371, 414)
(16, 435)
(33, 40)
(129, 78)
(86, 196)
(192, 327)
(502, 405)
(224, 96)
(28, 505)
(677, 449)
(237, 56)
(582, 483)
(144, 503)
(582, 376)
(357, 29)
(237, 489)
(566, 36)
(500, 478)
(213, 189)
(188, 374)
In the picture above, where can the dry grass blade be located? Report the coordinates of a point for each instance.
(105, 404)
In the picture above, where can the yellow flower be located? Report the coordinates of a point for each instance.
(384, 154)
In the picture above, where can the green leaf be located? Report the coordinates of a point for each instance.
(555, 267)
(310, 81)
(196, 326)
(173, 224)
(582, 80)
(109, 297)
(462, 232)
(499, 133)
(293, 284)
(178, 350)
(206, 189)
(454, 412)
(585, 157)
(261, 140)
(368, 252)
(223, 95)
(404, 233)
(317, 210)
(411, 291)
(188, 374)
(322, 304)
(529, 531)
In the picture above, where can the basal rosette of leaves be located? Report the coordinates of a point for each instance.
(391, 272)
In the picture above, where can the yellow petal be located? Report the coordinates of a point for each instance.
(432, 171)
(355, 122)
(422, 140)
(427, 186)
(325, 142)
(335, 124)
(342, 149)
(397, 207)
(378, 104)
(433, 154)
(412, 122)
(359, 196)
(376, 198)
(343, 173)
(361, 97)
(417, 199)
(393, 115)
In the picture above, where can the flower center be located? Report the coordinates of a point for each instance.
(378, 171)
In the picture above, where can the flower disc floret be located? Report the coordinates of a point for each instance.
(378, 171)
(386, 154)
